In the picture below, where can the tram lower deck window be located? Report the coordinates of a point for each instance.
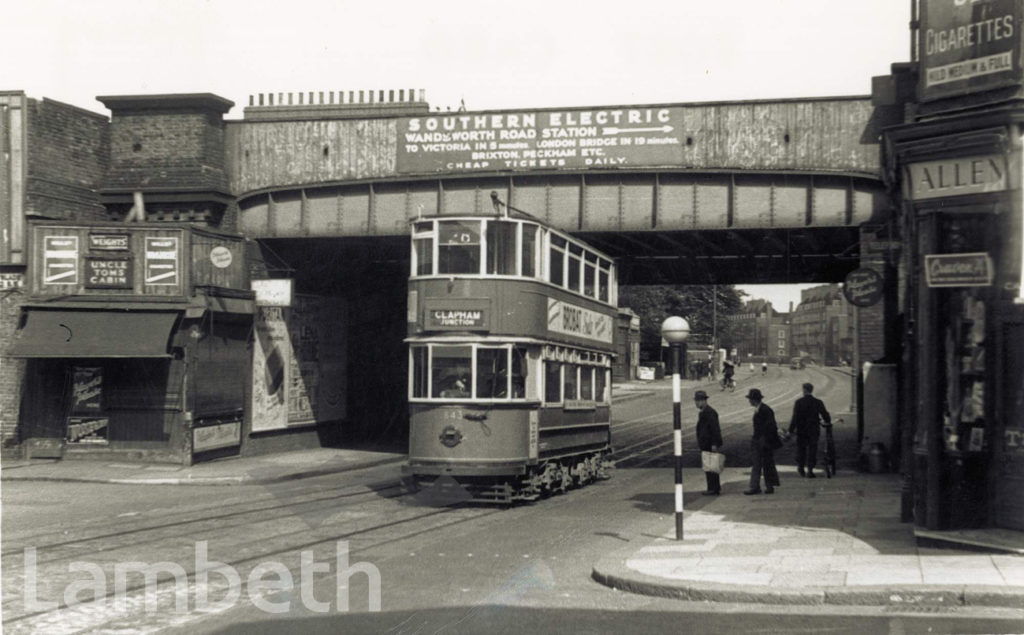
(552, 382)
(468, 371)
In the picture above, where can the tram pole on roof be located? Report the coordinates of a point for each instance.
(675, 330)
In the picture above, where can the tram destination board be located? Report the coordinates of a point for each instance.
(540, 140)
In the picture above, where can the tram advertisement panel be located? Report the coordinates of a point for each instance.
(299, 364)
(529, 140)
(569, 319)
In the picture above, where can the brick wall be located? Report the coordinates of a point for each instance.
(876, 323)
(11, 370)
(67, 153)
(156, 149)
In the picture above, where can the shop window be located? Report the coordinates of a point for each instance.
(458, 247)
(451, 372)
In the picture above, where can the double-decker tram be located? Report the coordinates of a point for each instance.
(510, 349)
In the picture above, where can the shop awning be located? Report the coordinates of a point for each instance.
(90, 333)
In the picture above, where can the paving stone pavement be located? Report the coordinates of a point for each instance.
(815, 541)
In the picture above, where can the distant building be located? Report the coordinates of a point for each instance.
(822, 326)
(761, 333)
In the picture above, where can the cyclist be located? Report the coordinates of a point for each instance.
(764, 368)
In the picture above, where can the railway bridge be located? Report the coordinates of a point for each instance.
(733, 192)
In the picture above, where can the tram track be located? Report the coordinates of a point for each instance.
(412, 522)
(289, 552)
(290, 505)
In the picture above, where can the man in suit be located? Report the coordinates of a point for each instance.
(807, 413)
(763, 444)
(709, 438)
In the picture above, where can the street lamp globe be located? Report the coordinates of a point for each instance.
(675, 329)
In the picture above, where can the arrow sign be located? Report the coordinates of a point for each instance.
(664, 129)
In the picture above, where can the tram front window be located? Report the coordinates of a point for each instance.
(492, 373)
(451, 372)
(458, 247)
(519, 372)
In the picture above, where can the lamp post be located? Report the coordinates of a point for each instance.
(675, 330)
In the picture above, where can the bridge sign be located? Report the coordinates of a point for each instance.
(609, 138)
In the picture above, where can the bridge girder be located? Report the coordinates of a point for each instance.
(662, 226)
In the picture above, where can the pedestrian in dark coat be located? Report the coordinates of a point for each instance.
(808, 412)
(763, 445)
(709, 438)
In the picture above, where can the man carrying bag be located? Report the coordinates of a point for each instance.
(709, 440)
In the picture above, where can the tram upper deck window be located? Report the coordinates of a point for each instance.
(575, 258)
(589, 266)
(529, 250)
(603, 277)
(458, 247)
(501, 248)
(557, 261)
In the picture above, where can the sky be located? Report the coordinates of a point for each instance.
(487, 55)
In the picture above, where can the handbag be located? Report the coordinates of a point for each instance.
(712, 462)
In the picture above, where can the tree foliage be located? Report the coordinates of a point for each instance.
(654, 303)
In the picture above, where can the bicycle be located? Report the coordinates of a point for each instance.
(728, 383)
(830, 449)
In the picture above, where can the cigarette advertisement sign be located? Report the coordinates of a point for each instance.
(538, 140)
(967, 46)
(60, 260)
(162, 262)
(958, 270)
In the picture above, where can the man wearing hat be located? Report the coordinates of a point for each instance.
(763, 444)
(709, 438)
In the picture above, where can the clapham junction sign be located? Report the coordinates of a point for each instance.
(540, 139)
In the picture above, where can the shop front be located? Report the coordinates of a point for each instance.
(962, 192)
(138, 343)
